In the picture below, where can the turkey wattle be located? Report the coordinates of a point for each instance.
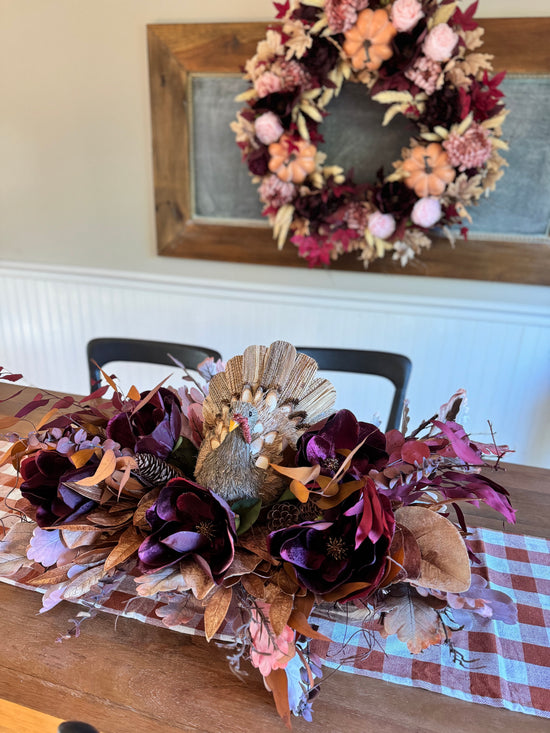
(262, 403)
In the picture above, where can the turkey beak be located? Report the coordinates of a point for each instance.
(232, 425)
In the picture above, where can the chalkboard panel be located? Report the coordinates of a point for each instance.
(355, 139)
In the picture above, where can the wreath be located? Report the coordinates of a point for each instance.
(418, 58)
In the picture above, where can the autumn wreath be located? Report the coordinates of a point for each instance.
(418, 58)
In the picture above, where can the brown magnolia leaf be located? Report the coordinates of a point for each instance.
(298, 621)
(279, 612)
(78, 538)
(254, 586)
(255, 540)
(196, 578)
(180, 610)
(444, 562)
(145, 503)
(17, 539)
(287, 584)
(277, 682)
(83, 582)
(404, 557)
(128, 544)
(51, 577)
(108, 519)
(93, 555)
(412, 618)
(243, 563)
(161, 581)
(81, 457)
(90, 492)
(216, 610)
(106, 467)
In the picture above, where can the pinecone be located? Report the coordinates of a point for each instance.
(154, 470)
(308, 512)
(282, 515)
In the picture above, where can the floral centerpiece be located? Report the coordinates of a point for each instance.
(417, 58)
(248, 500)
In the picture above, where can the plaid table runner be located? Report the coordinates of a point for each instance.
(512, 662)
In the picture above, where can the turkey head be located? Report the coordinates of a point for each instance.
(261, 404)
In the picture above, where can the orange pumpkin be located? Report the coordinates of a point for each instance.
(292, 160)
(429, 170)
(368, 42)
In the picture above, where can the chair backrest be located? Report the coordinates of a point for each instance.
(395, 367)
(104, 350)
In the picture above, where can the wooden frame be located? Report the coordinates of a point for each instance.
(178, 50)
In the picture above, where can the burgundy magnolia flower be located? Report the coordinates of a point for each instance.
(443, 107)
(320, 60)
(155, 428)
(350, 547)
(343, 432)
(189, 521)
(44, 477)
(395, 198)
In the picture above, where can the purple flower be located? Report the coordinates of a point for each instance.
(342, 432)
(189, 521)
(349, 548)
(44, 477)
(155, 428)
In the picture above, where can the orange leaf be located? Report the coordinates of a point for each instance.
(298, 621)
(216, 610)
(7, 422)
(149, 396)
(278, 684)
(81, 457)
(47, 417)
(344, 590)
(106, 376)
(279, 612)
(128, 543)
(104, 470)
(343, 468)
(304, 474)
(133, 394)
(300, 491)
(346, 490)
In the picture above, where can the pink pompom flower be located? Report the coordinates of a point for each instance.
(268, 128)
(405, 14)
(381, 225)
(267, 83)
(470, 150)
(440, 43)
(426, 212)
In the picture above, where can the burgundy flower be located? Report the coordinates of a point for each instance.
(443, 107)
(395, 198)
(189, 521)
(155, 428)
(258, 160)
(44, 477)
(350, 547)
(320, 60)
(343, 432)
(280, 103)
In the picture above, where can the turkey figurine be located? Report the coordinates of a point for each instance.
(260, 405)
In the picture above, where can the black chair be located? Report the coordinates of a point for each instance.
(395, 367)
(105, 350)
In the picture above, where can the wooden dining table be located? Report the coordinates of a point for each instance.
(124, 676)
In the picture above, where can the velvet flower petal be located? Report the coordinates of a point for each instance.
(189, 521)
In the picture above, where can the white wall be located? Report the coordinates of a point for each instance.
(76, 191)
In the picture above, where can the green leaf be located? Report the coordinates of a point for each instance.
(184, 456)
(248, 511)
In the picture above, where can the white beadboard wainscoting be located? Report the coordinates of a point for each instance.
(498, 351)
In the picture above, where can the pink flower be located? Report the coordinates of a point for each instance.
(381, 225)
(268, 128)
(267, 83)
(470, 150)
(440, 43)
(425, 74)
(426, 212)
(268, 651)
(342, 14)
(294, 75)
(405, 14)
(275, 192)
